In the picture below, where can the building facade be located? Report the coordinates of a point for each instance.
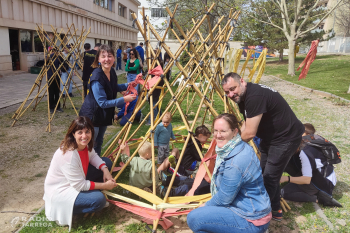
(109, 21)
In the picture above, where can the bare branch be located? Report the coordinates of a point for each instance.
(316, 25)
(262, 21)
(307, 16)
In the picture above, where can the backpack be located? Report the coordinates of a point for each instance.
(329, 150)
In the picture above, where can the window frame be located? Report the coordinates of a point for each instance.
(124, 10)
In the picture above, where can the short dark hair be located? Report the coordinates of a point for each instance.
(87, 46)
(309, 129)
(230, 119)
(106, 48)
(233, 75)
(202, 130)
(141, 43)
(78, 123)
(120, 47)
(98, 45)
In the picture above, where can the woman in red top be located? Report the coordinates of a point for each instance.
(76, 176)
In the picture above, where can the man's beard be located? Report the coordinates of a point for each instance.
(238, 98)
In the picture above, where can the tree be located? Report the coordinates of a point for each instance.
(254, 32)
(194, 9)
(295, 17)
(342, 18)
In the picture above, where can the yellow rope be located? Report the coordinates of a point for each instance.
(236, 59)
(261, 62)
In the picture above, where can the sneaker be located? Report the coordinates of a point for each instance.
(59, 110)
(172, 161)
(71, 95)
(106, 205)
(162, 190)
(327, 200)
(51, 110)
(165, 178)
(277, 215)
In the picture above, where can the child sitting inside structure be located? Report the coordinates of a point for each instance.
(162, 135)
(189, 164)
(191, 159)
(141, 167)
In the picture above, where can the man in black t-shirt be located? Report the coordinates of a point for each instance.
(89, 57)
(268, 116)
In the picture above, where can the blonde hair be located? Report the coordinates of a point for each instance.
(167, 115)
(146, 147)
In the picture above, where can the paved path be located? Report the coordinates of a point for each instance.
(15, 88)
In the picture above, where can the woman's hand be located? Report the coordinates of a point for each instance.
(109, 185)
(129, 98)
(107, 175)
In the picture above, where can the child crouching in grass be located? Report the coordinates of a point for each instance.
(141, 167)
(162, 135)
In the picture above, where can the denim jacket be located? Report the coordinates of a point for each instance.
(240, 184)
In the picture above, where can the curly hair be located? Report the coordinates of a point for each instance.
(69, 142)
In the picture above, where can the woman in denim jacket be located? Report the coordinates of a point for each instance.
(239, 200)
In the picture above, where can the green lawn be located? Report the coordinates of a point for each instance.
(114, 219)
(329, 73)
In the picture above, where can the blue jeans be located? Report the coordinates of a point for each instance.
(130, 78)
(98, 138)
(220, 219)
(125, 118)
(64, 78)
(92, 200)
(119, 63)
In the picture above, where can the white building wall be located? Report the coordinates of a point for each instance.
(105, 24)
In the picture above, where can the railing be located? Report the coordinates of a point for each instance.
(335, 45)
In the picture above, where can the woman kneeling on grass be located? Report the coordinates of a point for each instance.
(239, 200)
(76, 176)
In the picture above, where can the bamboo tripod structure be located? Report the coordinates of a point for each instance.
(71, 38)
(201, 76)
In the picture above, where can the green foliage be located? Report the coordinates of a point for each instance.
(184, 58)
(195, 9)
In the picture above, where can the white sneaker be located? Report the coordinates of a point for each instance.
(106, 205)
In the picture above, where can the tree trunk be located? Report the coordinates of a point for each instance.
(291, 59)
(281, 55)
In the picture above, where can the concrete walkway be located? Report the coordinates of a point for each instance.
(15, 88)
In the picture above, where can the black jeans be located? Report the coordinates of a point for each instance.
(300, 192)
(85, 85)
(274, 159)
(54, 94)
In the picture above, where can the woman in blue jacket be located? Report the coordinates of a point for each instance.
(100, 103)
(239, 200)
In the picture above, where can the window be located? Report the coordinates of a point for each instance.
(38, 45)
(130, 17)
(158, 12)
(325, 5)
(122, 10)
(26, 41)
(107, 4)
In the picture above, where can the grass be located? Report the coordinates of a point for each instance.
(110, 220)
(329, 73)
